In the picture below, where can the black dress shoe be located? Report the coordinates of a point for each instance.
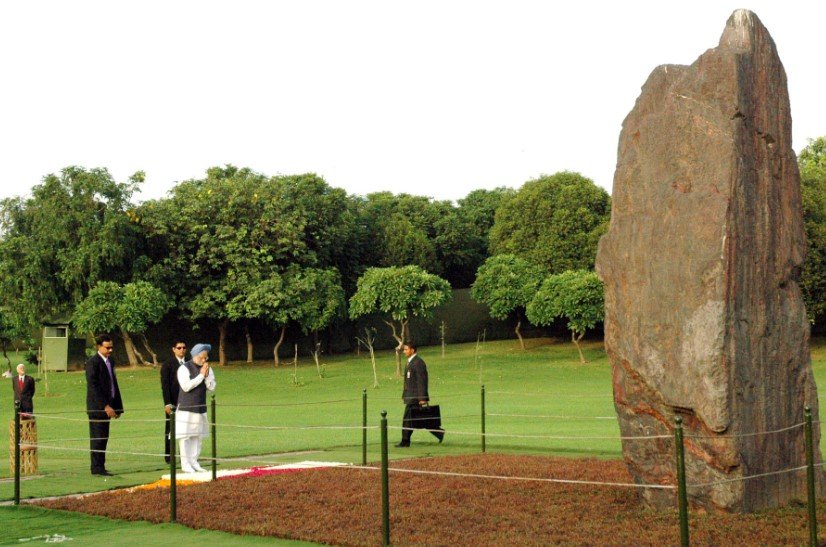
(403, 445)
(102, 472)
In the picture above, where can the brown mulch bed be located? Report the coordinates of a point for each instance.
(343, 506)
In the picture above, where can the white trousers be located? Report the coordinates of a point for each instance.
(190, 451)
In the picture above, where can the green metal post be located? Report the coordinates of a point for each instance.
(173, 464)
(17, 452)
(214, 441)
(682, 497)
(385, 484)
(810, 478)
(483, 417)
(363, 427)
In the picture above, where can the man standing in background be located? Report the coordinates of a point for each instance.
(23, 386)
(103, 401)
(170, 386)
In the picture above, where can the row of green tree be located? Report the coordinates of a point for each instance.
(238, 246)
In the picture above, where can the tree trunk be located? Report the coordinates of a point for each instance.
(518, 332)
(8, 365)
(131, 353)
(249, 342)
(400, 342)
(373, 361)
(576, 340)
(442, 331)
(316, 353)
(149, 350)
(278, 345)
(222, 342)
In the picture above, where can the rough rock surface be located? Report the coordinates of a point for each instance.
(701, 264)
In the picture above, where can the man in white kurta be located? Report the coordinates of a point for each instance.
(195, 378)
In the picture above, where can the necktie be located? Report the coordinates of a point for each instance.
(111, 378)
(21, 384)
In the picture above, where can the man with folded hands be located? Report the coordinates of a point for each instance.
(195, 378)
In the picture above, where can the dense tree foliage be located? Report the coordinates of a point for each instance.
(506, 284)
(241, 247)
(310, 297)
(812, 161)
(553, 221)
(216, 237)
(75, 230)
(402, 293)
(462, 234)
(129, 309)
(13, 328)
(577, 296)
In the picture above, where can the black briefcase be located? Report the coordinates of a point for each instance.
(427, 417)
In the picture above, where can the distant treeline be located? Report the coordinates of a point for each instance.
(240, 250)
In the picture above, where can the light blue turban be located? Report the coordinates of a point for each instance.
(200, 348)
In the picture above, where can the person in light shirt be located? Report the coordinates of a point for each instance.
(195, 378)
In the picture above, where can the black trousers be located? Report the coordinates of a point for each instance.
(98, 439)
(409, 423)
(166, 440)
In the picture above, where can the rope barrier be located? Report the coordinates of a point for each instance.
(78, 439)
(749, 477)
(520, 479)
(288, 404)
(281, 427)
(107, 452)
(557, 437)
(55, 417)
(550, 395)
(740, 435)
(553, 417)
(152, 409)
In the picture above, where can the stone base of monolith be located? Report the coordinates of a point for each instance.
(701, 264)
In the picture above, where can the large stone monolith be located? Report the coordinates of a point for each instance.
(701, 264)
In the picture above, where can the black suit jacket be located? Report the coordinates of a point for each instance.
(99, 386)
(415, 381)
(169, 381)
(25, 395)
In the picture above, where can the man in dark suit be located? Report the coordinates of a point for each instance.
(23, 386)
(103, 401)
(170, 386)
(415, 393)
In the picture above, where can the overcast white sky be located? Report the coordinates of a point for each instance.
(433, 98)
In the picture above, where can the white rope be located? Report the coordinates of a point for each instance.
(558, 437)
(54, 417)
(738, 479)
(287, 427)
(78, 439)
(550, 395)
(739, 435)
(107, 452)
(520, 479)
(555, 417)
(228, 405)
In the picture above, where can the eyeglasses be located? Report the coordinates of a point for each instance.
(180, 347)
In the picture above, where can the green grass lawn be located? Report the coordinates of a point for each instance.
(546, 380)
(542, 391)
(36, 525)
